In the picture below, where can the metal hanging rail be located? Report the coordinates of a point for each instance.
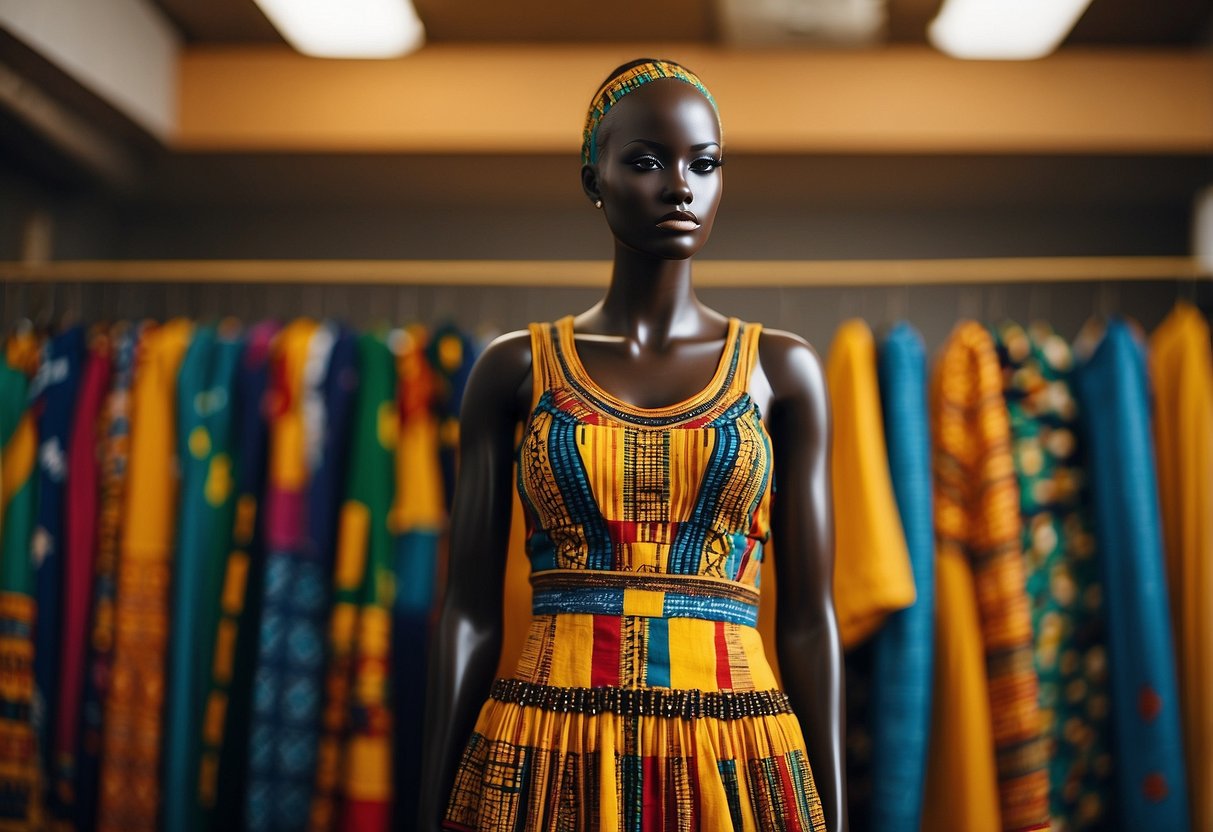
(720, 273)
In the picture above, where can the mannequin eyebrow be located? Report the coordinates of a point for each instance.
(659, 146)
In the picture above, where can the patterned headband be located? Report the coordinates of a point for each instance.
(630, 80)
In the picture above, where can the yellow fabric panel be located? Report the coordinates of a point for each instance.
(872, 575)
(1181, 368)
(602, 453)
(643, 602)
(692, 668)
(962, 784)
(571, 650)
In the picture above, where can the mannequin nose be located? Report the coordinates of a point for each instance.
(677, 191)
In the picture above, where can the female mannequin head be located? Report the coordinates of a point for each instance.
(653, 160)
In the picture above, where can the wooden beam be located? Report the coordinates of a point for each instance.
(719, 273)
(515, 99)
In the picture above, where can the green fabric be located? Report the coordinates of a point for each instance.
(16, 569)
(1063, 581)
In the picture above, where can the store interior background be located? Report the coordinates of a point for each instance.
(1109, 161)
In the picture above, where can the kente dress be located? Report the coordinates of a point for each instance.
(643, 699)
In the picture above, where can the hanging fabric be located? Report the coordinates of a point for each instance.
(20, 783)
(353, 781)
(988, 760)
(84, 488)
(451, 354)
(872, 576)
(205, 394)
(316, 384)
(54, 391)
(115, 450)
(1063, 583)
(224, 764)
(900, 702)
(1181, 367)
(130, 767)
(1151, 788)
(417, 519)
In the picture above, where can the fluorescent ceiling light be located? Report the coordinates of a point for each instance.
(1015, 30)
(347, 28)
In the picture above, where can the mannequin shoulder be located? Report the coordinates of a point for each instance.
(500, 378)
(791, 365)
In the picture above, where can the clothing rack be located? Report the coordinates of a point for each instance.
(571, 273)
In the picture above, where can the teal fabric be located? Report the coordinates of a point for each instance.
(205, 391)
(1151, 788)
(900, 701)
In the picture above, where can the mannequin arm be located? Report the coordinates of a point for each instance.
(806, 634)
(466, 643)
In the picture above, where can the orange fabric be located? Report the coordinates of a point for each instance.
(130, 772)
(977, 525)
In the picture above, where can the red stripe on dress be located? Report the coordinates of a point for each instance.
(790, 801)
(724, 677)
(605, 667)
(651, 805)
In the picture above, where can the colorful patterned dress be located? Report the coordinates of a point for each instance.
(643, 699)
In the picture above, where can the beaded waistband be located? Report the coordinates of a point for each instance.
(662, 702)
(648, 594)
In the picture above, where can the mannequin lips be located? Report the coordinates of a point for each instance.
(679, 221)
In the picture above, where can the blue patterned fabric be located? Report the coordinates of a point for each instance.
(53, 393)
(900, 703)
(288, 685)
(1151, 789)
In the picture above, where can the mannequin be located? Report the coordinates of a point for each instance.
(650, 342)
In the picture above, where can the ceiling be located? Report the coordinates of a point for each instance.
(1106, 22)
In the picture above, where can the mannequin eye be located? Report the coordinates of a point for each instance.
(707, 164)
(646, 163)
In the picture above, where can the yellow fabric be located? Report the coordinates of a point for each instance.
(872, 575)
(1181, 368)
(962, 784)
(130, 771)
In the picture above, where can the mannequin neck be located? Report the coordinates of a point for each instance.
(651, 299)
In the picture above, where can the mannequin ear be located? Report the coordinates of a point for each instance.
(589, 182)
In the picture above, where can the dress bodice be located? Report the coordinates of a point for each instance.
(667, 498)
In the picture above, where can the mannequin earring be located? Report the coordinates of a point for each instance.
(598, 203)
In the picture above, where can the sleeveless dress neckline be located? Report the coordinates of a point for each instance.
(600, 396)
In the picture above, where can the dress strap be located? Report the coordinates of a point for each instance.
(747, 357)
(545, 370)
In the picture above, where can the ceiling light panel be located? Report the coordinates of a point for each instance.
(1003, 29)
(347, 28)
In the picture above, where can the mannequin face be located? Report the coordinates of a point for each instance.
(658, 170)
